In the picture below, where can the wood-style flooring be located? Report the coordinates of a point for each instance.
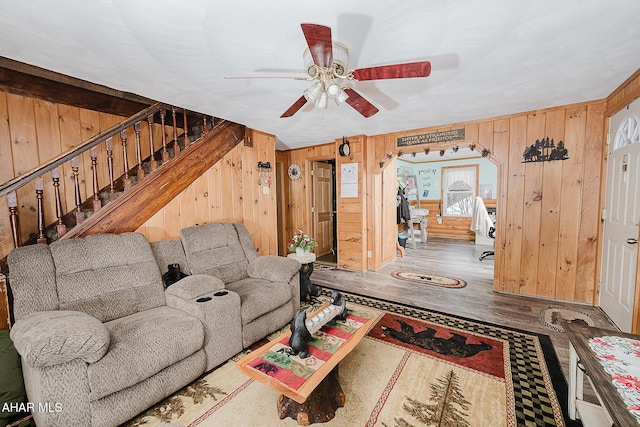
(457, 258)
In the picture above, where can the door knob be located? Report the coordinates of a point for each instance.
(632, 241)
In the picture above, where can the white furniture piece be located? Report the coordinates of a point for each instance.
(419, 219)
(582, 361)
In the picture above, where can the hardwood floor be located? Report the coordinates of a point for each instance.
(457, 258)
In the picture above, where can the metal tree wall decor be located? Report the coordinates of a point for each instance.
(545, 150)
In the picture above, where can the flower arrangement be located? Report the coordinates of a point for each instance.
(302, 241)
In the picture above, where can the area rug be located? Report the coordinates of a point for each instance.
(552, 317)
(430, 279)
(414, 368)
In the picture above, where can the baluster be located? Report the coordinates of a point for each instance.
(112, 189)
(12, 202)
(60, 227)
(140, 171)
(75, 166)
(39, 190)
(165, 153)
(186, 127)
(127, 179)
(97, 204)
(153, 165)
(205, 129)
(176, 146)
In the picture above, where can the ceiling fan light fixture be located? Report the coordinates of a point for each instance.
(309, 65)
(322, 101)
(333, 89)
(313, 92)
(341, 97)
(340, 58)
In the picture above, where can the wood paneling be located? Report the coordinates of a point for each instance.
(33, 131)
(298, 192)
(547, 220)
(624, 94)
(352, 211)
(26, 80)
(227, 191)
(5, 318)
(545, 211)
(136, 206)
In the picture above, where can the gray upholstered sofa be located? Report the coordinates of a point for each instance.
(101, 339)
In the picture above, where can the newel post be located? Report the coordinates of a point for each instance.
(5, 318)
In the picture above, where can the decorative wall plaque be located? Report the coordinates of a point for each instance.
(545, 150)
(431, 138)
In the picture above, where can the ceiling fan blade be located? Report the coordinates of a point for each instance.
(320, 44)
(396, 71)
(360, 104)
(294, 108)
(266, 77)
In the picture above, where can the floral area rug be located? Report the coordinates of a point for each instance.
(414, 368)
(430, 279)
(552, 317)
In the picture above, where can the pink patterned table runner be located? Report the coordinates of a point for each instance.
(620, 358)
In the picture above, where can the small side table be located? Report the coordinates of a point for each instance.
(612, 409)
(307, 289)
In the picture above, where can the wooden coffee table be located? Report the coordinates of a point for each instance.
(308, 395)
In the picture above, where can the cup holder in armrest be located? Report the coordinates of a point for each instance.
(203, 299)
(220, 293)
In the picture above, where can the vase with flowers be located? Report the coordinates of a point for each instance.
(302, 243)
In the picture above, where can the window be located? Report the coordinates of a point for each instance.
(459, 189)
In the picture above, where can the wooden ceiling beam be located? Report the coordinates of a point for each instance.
(27, 80)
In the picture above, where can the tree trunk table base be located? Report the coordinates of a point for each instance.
(319, 407)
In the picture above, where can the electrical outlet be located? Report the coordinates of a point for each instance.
(369, 254)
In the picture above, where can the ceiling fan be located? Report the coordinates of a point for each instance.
(326, 63)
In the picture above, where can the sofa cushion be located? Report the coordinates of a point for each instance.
(48, 338)
(33, 280)
(142, 345)
(258, 296)
(215, 249)
(273, 268)
(170, 252)
(107, 275)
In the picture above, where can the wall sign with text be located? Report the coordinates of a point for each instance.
(431, 138)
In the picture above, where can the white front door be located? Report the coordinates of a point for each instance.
(622, 218)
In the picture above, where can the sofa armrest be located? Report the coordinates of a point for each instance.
(195, 286)
(273, 268)
(47, 338)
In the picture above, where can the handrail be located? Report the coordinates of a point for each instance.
(33, 174)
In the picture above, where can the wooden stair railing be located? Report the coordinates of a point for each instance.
(135, 206)
(128, 201)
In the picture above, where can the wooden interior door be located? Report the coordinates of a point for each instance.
(622, 218)
(322, 190)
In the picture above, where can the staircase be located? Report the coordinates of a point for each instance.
(141, 190)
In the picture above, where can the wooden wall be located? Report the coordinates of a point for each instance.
(547, 212)
(352, 211)
(32, 131)
(298, 192)
(227, 192)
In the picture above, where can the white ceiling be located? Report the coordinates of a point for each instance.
(489, 57)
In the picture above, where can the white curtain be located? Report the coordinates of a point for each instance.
(459, 185)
